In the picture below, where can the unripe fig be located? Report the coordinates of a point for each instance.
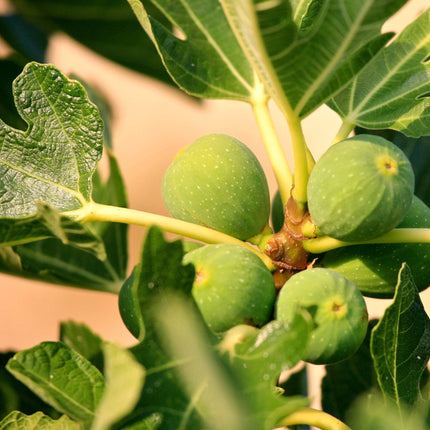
(337, 309)
(218, 182)
(232, 286)
(278, 212)
(128, 307)
(374, 268)
(360, 188)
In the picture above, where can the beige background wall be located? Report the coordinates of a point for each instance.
(152, 122)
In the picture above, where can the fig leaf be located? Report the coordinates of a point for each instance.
(400, 344)
(207, 60)
(283, 39)
(397, 85)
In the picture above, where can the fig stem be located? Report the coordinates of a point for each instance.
(99, 212)
(315, 418)
(278, 160)
(397, 235)
(344, 131)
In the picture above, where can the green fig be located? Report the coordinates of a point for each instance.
(218, 182)
(232, 286)
(128, 304)
(278, 212)
(337, 308)
(374, 268)
(360, 188)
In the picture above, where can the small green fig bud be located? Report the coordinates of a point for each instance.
(374, 268)
(337, 309)
(218, 182)
(232, 286)
(360, 188)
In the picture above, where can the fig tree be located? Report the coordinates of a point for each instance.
(360, 188)
(374, 268)
(218, 182)
(232, 286)
(336, 307)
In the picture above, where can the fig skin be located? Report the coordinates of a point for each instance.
(374, 268)
(219, 183)
(360, 188)
(336, 307)
(232, 286)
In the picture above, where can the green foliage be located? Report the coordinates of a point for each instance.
(399, 344)
(209, 351)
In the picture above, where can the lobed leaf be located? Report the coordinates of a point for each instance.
(54, 160)
(400, 344)
(392, 91)
(60, 377)
(306, 51)
(203, 56)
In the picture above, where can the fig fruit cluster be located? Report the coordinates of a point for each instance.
(361, 188)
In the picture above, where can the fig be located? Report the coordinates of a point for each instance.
(337, 309)
(278, 212)
(360, 188)
(128, 304)
(218, 182)
(232, 286)
(374, 268)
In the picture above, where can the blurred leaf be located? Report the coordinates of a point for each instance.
(259, 361)
(400, 344)
(60, 377)
(83, 341)
(373, 413)
(25, 38)
(349, 379)
(38, 421)
(211, 388)
(306, 51)
(207, 61)
(124, 380)
(107, 27)
(159, 273)
(392, 91)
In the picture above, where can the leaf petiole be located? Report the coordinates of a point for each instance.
(271, 141)
(397, 235)
(344, 131)
(99, 212)
(315, 418)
